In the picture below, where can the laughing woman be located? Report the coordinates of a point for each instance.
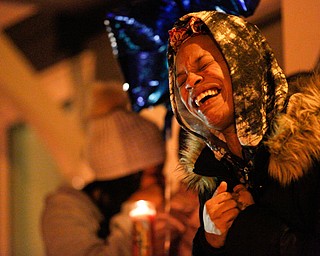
(254, 147)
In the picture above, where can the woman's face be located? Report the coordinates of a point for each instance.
(204, 82)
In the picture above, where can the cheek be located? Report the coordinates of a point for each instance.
(184, 95)
(229, 99)
(214, 70)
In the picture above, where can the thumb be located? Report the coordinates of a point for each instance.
(222, 188)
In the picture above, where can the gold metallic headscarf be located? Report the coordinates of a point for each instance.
(259, 84)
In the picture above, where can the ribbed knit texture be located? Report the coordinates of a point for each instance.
(122, 143)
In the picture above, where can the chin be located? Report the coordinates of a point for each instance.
(214, 122)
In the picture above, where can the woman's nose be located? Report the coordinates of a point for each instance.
(193, 79)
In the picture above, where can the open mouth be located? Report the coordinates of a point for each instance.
(204, 96)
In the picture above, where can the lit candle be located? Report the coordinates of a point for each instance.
(142, 215)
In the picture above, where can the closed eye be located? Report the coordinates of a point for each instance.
(181, 80)
(204, 66)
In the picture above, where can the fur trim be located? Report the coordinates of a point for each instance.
(190, 151)
(294, 143)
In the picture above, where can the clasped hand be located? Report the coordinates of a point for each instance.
(223, 208)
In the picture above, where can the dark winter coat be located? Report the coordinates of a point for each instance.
(284, 181)
(279, 131)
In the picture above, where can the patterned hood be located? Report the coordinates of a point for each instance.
(259, 85)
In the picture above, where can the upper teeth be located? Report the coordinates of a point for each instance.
(212, 92)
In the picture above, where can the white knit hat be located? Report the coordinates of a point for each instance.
(121, 143)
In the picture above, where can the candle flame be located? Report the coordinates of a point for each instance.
(142, 208)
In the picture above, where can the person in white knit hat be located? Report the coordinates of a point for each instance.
(120, 141)
(126, 153)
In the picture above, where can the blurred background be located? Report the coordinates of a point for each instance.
(51, 51)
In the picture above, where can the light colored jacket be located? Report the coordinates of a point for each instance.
(70, 222)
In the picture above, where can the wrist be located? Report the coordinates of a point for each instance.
(216, 241)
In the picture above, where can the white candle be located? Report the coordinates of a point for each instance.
(142, 215)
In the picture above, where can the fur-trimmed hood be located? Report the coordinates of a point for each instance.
(293, 144)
